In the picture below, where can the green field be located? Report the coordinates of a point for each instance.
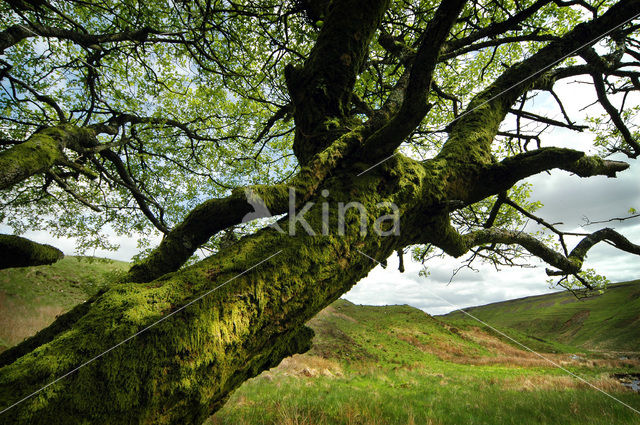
(398, 365)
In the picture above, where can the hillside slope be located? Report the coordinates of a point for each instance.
(608, 322)
(31, 297)
(400, 335)
(398, 365)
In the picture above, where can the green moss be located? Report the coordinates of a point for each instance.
(40, 152)
(37, 154)
(183, 368)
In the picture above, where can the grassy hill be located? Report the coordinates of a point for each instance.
(609, 322)
(398, 365)
(31, 297)
(382, 365)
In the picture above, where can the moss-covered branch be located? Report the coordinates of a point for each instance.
(500, 176)
(457, 245)
(321, 89)
(616, 239)
(183, 368)
(40, 152)
(571, 264)
(204, 221)
(215, 215)
(16, 251)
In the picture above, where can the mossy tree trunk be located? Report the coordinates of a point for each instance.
(171, 350)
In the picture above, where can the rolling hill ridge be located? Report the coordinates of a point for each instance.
(607, 322)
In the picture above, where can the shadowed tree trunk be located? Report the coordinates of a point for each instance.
(169, 347)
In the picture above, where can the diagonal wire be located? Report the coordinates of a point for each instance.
(163, 318)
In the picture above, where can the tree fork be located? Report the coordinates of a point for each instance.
(215, 215)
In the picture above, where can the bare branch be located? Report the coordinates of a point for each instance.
(414, 105)
(16, 33)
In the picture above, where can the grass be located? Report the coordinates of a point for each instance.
(31, 297)
(402, 397)
(396, 364)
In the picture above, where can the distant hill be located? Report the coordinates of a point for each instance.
(399, 365)
(31, 297)
(609, 322)
(401, 334)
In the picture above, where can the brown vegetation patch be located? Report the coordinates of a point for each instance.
(20, 321)
(305, 365)
(561, 382)
(502, 353)
(577, 319)
(332, 311)
(569, 300)
(414, 341)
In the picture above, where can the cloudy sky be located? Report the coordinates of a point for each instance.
(566, 198)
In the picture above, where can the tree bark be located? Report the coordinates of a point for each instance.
(183, 369)
(40, 152)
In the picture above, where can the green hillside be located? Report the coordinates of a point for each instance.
(608, 322)
(31, 297)
(381, 365)
(398, 365)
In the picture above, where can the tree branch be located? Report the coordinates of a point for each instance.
(40, 152)
(215, 215)
(501, 176)
(141, 199)
(598, 83)
(16, 251)
(497, 28)
(414, 105)
(16, 33)
(473, 132)
(321, 90)
(539, 118)
(571, 264)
